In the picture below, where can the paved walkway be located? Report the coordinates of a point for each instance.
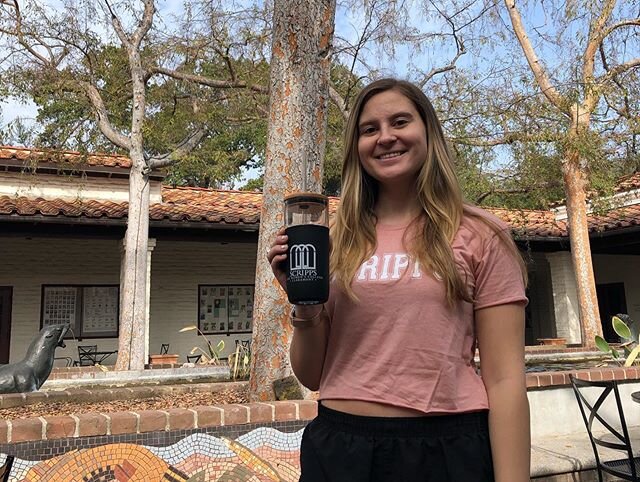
(570, 453)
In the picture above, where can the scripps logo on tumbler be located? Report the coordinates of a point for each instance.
(307, 263)
(303, 261)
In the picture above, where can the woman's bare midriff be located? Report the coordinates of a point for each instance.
(370, 409)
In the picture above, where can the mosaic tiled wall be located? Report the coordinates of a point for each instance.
(260, 454)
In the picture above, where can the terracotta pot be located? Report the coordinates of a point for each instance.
(166, 359)
(552, 341)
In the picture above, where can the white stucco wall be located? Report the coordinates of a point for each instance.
(610, 268)
(71, 188)
(565, 296)
(177, 269)
(28, 263)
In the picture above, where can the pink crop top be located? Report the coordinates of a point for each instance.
(400, 343)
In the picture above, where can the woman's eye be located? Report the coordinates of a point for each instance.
(401, 122)
(367, 130)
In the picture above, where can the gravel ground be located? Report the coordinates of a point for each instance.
(179, 400)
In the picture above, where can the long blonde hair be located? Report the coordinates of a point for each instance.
(353, 234)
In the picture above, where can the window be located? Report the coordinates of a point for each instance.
(225, 309)
(91, 311)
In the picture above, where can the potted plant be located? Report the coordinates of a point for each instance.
(212, 354)
(627, 330)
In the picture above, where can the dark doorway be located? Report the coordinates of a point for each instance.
(611, 301)
(5, 323)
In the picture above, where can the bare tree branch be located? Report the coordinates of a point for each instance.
(507, 138)
(209, 82)
(523, 190)
(623, 23)
(538, 69)
(102, 116)
(20, 34)
(339, 102)
(459, 47)
(618, 69)
(596, 31)
(117, 26)
(186, 146)
(145, 24)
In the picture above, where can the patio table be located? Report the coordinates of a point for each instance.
(101, 356)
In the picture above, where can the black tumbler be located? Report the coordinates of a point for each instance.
(306, 217)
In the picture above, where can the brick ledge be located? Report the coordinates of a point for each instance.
(561, 378)
(118, 423)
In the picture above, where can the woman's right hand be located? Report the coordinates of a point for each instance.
(276, 255)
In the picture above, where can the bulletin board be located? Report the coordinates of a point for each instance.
(225, 309)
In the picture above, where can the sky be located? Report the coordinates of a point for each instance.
(348, 24)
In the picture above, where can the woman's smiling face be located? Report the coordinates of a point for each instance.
(392, 139)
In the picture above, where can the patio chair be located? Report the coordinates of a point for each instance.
(194, 358)
(5, 469)
(86, 355)
(627, 468)
(245, 344)
(164, 349)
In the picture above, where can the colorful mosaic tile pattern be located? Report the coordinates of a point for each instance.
(262, 455)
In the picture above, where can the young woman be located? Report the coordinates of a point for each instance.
(419, 278)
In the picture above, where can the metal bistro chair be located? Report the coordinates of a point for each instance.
(627, 468)
(164, 349)
(194, 358)
(86, 355)
(246, 344)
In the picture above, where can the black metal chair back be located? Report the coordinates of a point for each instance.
(87, 355)
(164, 349)
(194, 358)
(245, 344)
(5, 469)
(626, 468)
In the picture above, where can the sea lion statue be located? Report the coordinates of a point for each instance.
(29, 374)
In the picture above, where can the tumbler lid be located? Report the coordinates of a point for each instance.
(306, 197)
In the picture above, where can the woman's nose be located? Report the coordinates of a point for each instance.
(386, 136)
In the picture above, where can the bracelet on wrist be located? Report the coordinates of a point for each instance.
(307, 322)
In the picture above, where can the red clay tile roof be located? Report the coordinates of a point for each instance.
(628, 183)
(619, 218)
(22, 206)
(208, 205)
(529, 223)
(195, 205)
(65, 158)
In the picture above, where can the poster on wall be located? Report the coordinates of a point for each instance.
(225, 309)
(213, 309)
(100, 310)
(59, 305)
(240, 308)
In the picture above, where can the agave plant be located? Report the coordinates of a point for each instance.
(212, 355)
(628, 332)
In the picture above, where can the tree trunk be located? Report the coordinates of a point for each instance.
(131, 343)
(302, 36)
(575, 187)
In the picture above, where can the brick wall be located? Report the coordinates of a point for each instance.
(44, 437)
(177, 269)
(136, 423)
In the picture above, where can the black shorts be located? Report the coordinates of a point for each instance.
(339, 447)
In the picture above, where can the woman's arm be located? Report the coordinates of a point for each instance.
(309, 345)
(500, 332)
(309, 342)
